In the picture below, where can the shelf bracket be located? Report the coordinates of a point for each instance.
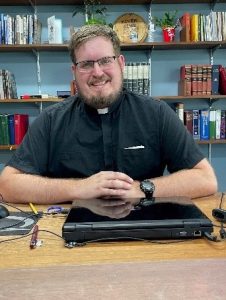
(36, 53)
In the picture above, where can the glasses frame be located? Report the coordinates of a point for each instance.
(102, 66)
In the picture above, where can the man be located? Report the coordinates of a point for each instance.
(106, 143)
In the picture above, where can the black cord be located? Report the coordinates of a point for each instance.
(29, 234)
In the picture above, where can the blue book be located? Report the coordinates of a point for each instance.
(11, 129)
(196, 124)
(204, 125)
(215, 79)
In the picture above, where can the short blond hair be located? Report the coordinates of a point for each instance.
(88, 32)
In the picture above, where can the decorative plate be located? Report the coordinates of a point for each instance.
(131, 28)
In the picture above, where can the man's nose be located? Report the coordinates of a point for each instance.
(97, 69)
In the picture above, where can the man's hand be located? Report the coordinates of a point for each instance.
(105, 184)
(112, 208)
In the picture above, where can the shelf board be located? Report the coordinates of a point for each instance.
(124, 46)
(30, 100)
(201, 142)
(104, 2)
(8, 147)
(209, 97)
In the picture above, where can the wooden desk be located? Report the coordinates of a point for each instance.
(134, 270)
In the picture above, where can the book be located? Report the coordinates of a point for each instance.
(223, 124)
(11, 129)
(185, 27)
(222, 80)
(204, 125)
(215, 79)
(180, 111)
(218, 124)
(21, 126)
(212, 123)
(194, 28)
(196, 124)
(188, 120)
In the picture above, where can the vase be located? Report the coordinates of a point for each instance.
(168, 34)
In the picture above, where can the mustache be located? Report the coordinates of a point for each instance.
(99, 79)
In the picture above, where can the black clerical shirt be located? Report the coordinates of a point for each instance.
(136, 135)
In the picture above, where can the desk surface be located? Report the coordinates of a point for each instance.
(195, 269)
(53, 253)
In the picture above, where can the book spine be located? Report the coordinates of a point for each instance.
(21, 126)
(212, 124)
(223, 123)
(11, 129)
(196, 124)
(204, 125)
(188, 120)
(215, 79)
(218, 124)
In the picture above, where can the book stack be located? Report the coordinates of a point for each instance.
(197, 80)
(206, 124)
(20, 29)
(199, 27)
(136, 77)
(8, 88)
(13, 128)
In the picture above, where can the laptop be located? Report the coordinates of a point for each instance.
(162, 218)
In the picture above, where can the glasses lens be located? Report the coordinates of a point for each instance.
(85, 65)
(105, 61)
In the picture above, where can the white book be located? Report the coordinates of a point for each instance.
(218, 124)
(54, 30)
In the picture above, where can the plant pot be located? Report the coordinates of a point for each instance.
(168, 34)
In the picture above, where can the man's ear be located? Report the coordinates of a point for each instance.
(121, 60)
(73, 67)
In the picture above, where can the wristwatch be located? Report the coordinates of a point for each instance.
(148, 188)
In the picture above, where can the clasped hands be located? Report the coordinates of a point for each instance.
(109, 193)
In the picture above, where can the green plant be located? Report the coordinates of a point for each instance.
(168, 20)
(94, 14)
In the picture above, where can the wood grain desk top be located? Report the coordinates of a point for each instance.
(17, 254)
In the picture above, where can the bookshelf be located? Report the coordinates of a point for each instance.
(148, 47)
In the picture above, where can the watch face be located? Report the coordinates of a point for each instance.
(147, 187)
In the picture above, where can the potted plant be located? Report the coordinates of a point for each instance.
(168, 23)
(93, 12)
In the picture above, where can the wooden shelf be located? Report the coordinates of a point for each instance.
(30, 100)
(135, 46)
(8, 147)
(208, 97)
(206, 142)
(202, 142)
(104, 2)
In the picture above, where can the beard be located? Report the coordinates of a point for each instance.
(99, 101)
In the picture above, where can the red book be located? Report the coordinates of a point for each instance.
(185, 30)
(20, 127)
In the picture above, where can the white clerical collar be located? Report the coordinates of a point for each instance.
(102, 111)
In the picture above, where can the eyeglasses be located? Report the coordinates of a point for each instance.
(88, 65)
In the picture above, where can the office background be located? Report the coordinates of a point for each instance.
(56, 65)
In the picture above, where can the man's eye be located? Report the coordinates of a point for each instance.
(105, 61)
(86, 65)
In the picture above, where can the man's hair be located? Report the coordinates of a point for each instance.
(88, 32)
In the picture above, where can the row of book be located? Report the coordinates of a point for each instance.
(136, 77)
(199, 27)
(20, 29)
(202, 79)
(8, 89)
(204, 124)
(13, 128)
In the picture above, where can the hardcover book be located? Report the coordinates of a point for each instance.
(21, 126)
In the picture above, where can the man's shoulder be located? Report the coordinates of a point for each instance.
(62, 106)
(138, 99)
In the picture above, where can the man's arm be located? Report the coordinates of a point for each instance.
(19, 187)
(196, 182)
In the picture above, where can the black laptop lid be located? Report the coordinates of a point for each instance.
(162, 212)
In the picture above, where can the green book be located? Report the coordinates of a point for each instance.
(4, 130)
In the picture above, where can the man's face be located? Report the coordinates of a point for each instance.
(99, 86)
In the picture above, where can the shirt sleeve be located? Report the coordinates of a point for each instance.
(178, 147)
(32, 155)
